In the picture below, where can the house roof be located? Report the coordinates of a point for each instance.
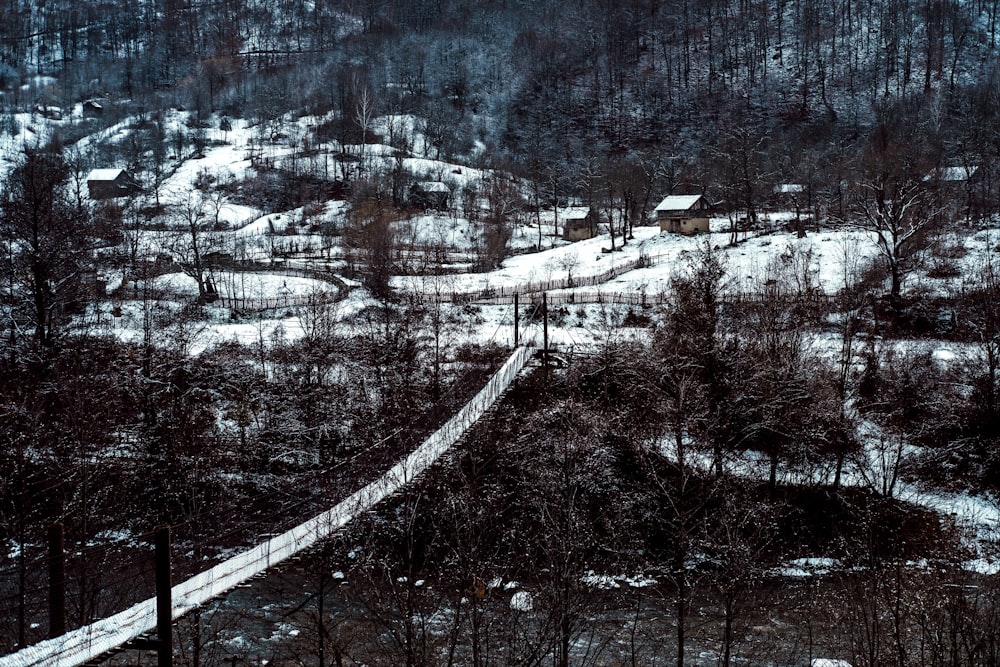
(789, 188)
(951, 173)
(678, 202)
(105, 174)
(575, 213)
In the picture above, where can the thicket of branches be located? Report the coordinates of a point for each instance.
(707, 463)
(111, 438)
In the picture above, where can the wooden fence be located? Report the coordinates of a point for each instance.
(281, 301)
(643, 298)
(505, 293)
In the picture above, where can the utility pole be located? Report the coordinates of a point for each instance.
(164, 642)
(164, 602)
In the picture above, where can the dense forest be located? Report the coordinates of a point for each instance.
(725, 96)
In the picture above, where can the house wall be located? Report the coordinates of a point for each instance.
(683, 225)
(123, 186)
(577, 231)
(693, 225)
(435, 200)
(103, 189)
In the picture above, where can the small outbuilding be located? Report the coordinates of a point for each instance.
(93, 109)
(217, 258)
(952, 175)
(48, 111)
(683, 214)
(792, 197)
(787, 196)
(579, 224)
(429, 194)
(111, 183)
(958, 190)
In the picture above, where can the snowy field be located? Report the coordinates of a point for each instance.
(243, 285)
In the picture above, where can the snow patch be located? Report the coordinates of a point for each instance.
(521, 601)
(601, 581)
(801, 568)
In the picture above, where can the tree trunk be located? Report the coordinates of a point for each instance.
(896, 288)
(772, 480)
(727, 635)
(682, 604)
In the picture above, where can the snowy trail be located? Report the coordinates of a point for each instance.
(89, 642)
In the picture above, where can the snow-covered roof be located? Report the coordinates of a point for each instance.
(575, 213)
(104, 174)
(678, 202)
(788, 188)
(952, 173)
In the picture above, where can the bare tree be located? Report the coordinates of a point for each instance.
(371, 235)
(688, 373)
(364, 113)
(190, 245)
(743, 158)
(741, 536)
(46, 236)
(565, 530)
(896, 210)
(504, 202)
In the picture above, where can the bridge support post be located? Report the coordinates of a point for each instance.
(517, 338)
(57, 581)
(164, 603)
(545, 328)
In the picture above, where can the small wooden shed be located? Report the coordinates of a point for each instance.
(953, 175)
(787, 196)
(48, 111)
(430, 194)
(93, 108)
(579, 224)
(683, 214)
(111, 183)
(958, 190)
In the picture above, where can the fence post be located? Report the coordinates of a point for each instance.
(517, 338)
(545, 328)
